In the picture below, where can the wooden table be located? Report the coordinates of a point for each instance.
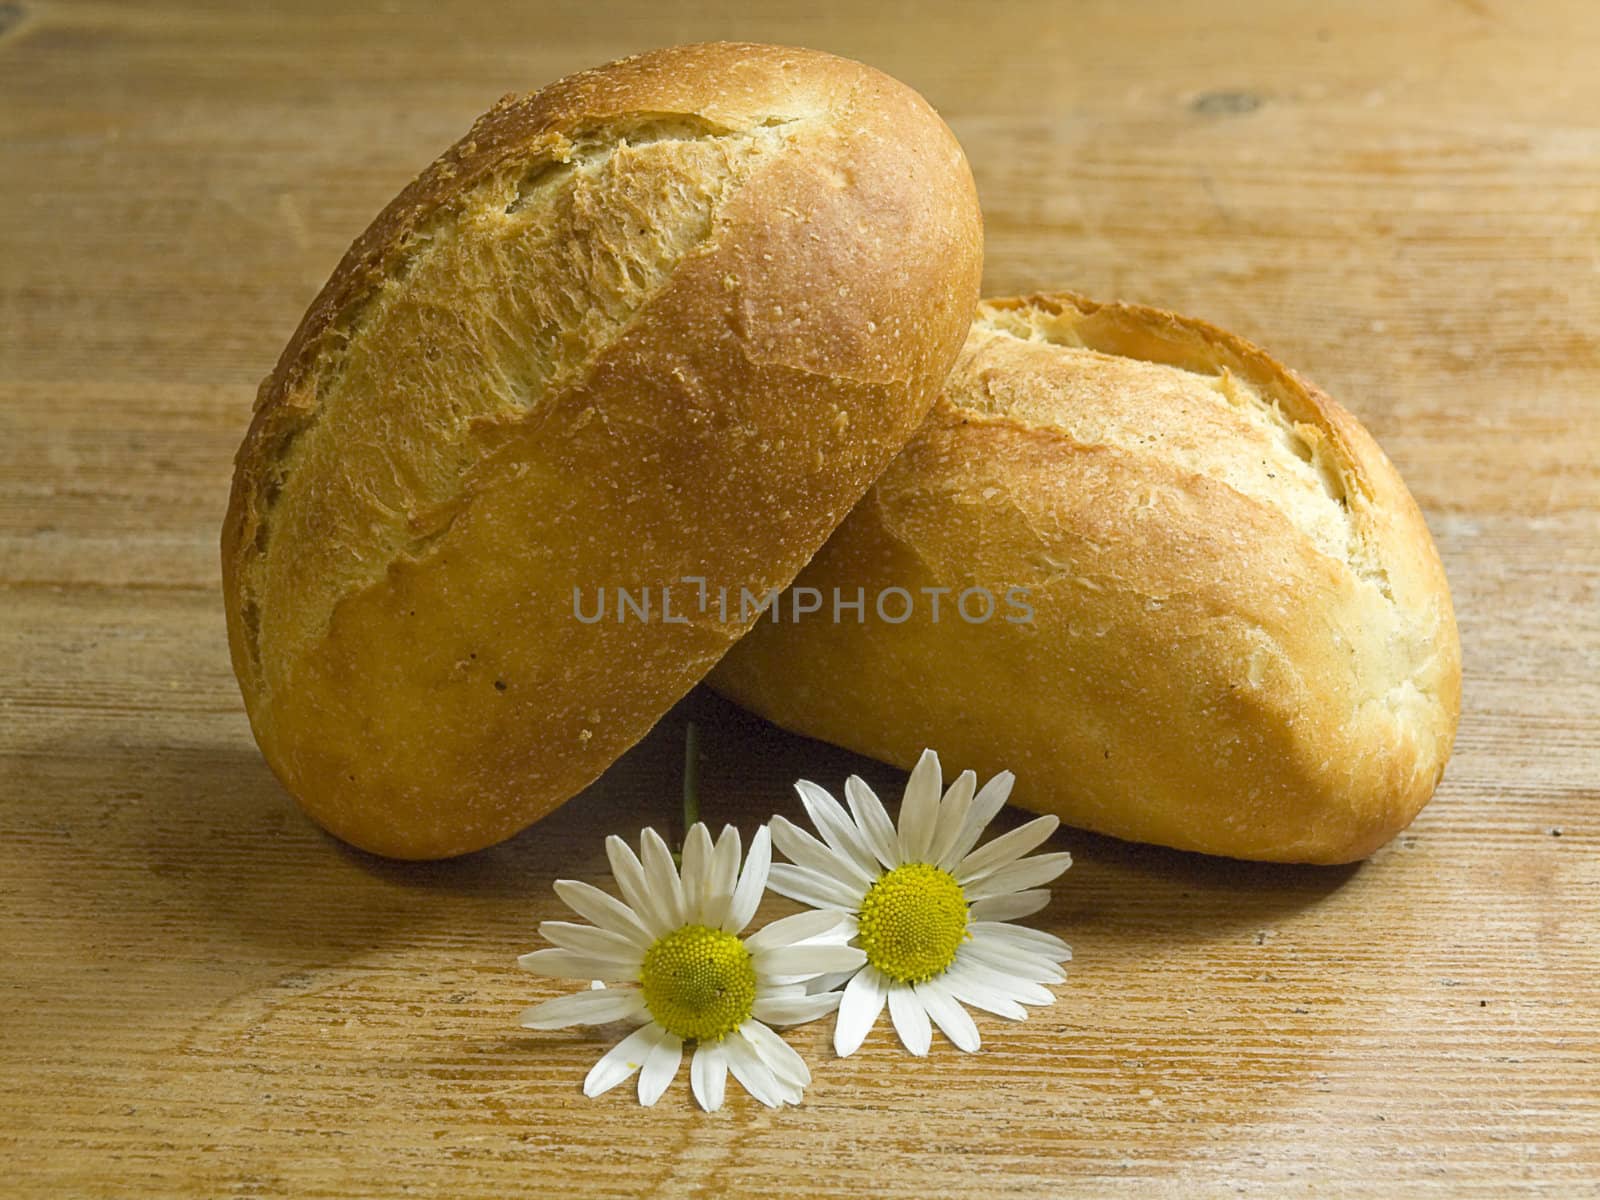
(203, 995)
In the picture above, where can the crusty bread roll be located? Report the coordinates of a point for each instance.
(1241, 639)
(666, 318)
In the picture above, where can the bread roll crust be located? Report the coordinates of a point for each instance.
(1242, 639)
(668, 317)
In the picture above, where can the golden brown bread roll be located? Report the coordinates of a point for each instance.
(1241, 638)
(668, 317)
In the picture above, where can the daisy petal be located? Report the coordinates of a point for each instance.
(1017, 876)
(1003, 980)
(1018, 937)
(621, 1061)
(832, 981)
(1016, 964)
(1006, 848)
(782, 1059)
(991, 798)
(953, 811)
(840, 934)
(919, 810)
(598, 943)
(752, 882)
(630, 877)
(603, 910)
(968, 988)
(1016, 991)
(847, 928)
(1035, 994)
(836, 827)
(708, 1075)
(570, 964)
(662, 876)
(660, 1065)
(863, 1000)
(1021, 982)
(813, 887)
(754, 1074)
(1009, 908)
(721, 878)
(786, 931)
(807, 960)
(910, 1019)
(806, 851)
(794, 1010)
(873, 821)
(696, 864)
(948, 1015)
(596, 1007)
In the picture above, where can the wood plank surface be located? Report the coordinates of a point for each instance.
(204, 996)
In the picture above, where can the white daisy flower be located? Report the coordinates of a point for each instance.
(676, 937)
(929, 911)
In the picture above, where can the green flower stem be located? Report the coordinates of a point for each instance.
(691, 777)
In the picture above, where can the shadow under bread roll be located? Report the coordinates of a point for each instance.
(666, 318)
(1227, 628)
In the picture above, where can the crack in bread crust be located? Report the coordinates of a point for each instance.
(521, 347)
(1219, 406)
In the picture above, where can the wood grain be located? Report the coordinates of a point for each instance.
(204, 996)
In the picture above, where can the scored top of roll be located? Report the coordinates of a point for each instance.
(667, 318)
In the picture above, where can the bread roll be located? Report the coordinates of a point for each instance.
(669, 317)
(1241, 641)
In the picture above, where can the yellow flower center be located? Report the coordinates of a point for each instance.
(913, 920)
(698, 983)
